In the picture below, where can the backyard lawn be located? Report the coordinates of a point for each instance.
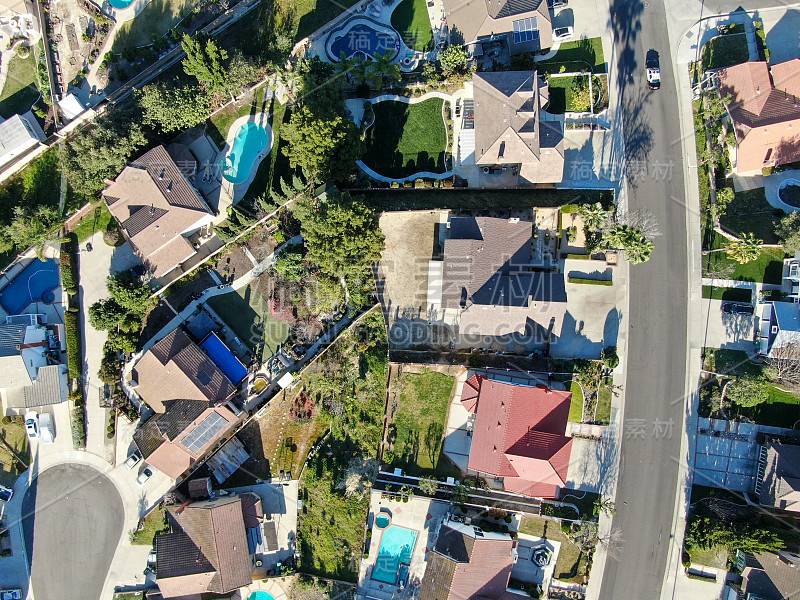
(14, 435)
(19, 91)
(158, 17)
(767, 268)
(725, 51)
(407, 138)
(422, 401)
(749, 212)
(154, 523)
(579, 55)
(569, 93)
(410, 19)
(569, 557)
(576, 405)
(247, 313)
(88, 225)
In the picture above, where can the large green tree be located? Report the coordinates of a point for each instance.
(341, 233)
(454, 59)
(174, 106)
(788, 231)
(33, 227)
(747, 391)
(130, 293)
(205, 60)
(382, 69)
(629, 239)
(327, 147)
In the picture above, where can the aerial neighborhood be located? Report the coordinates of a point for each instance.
(396, 299)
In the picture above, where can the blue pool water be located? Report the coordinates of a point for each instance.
(260, 596)
(120, 3)
(363, 40)
(397, 546)
(224, 358)
(251, 139)
(35, 283)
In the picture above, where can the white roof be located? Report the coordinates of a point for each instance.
(70, 106)
(286, 380)
(17, 134)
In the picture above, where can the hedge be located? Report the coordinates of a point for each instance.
(570, 209)
(72, 326)
(69, 271)
(577, 256)
(78, 427)
(590, 281)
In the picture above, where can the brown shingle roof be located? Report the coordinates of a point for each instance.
(473, 19)
(773, 578)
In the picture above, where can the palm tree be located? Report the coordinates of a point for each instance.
(382, 68)
(360, 70)
(594, 216)
(631, 240)
(345, 65)
(743, 250)
(291, 80)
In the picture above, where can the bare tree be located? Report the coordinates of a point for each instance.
(359, 476)
(784, 364)
(644, 220)
(612, 542)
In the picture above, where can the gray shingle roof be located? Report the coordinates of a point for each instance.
(179, 416)
(47, 389)
(11, 336)
(169, 179)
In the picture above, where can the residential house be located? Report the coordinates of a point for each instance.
(163, 216)
(209, 548)
(467, 563)
(779, 476)
(518, 437)
(486, 276)
(18, 134)
(523, 25)
(513, 132)
(767, 576)
(29, 377)
(778, 327)
(765, 110)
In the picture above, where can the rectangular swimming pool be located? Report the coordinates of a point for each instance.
(397, 547)
(35, 283)
(224, 358)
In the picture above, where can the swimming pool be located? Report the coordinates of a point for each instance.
(250, 140)
(260, 595)
(361, 39)
(35, 283)
(397, 547)
(120, 3)
(224, 358)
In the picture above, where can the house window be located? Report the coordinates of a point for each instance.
(525, 30)
(768, 156)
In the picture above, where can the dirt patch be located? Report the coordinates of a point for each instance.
(233, 264)
(261, 245)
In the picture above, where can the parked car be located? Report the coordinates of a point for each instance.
(133, 460)
(146, 474)
(653, 70)
(32, 424)
(562, 33)
(15, 594)
(737, 308)
(6, 493)
(46, 430)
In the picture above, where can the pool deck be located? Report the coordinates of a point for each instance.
(54, 312)
(231, 193)
(424, 516)
(271, 586)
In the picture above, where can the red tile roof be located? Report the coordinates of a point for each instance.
(519, 435)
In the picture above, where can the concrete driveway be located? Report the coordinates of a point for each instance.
(731, 332)
(781, 27)
(72, 522)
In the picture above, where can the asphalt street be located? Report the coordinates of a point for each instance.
(657, 339)
(72, 521)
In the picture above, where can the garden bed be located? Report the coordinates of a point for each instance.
(569, 93)
(749, 212)
(767, 268)
(725, 51)
(13, 433)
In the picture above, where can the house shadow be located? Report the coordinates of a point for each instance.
(785, 30)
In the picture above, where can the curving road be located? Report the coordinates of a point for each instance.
(657, 339)
(72, 518)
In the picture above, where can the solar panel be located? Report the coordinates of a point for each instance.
(525, 30)
(204, 432)
(204, 378)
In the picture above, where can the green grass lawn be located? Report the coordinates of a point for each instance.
(566, 94)
(410, 19)
(19, 91)
(14, 435)
(729, 294)
(576, 56)
(603, 409)
(423, 401)
(407, 138)
(247, 314)
(725, 51)
(313, 14)
(154, 523)
(750, 212)
(576, 404)
(767, 268)
(158, 17)
(87, 225)
(569, 557)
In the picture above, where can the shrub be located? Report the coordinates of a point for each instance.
(110, 435)
(609, 357)
(589, 281)
(6, 420)
(69, 272)
(569, 209)
(113, 238)
(73, 334)
(78, 427)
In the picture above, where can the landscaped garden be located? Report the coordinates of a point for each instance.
(407, 138)
(417, 413)
(153, 524)
(571, 564)
(725, 51)
(749, 212)
(158, 17)
(569, 93)
(575, 56)
(410, 19)
(767, 268)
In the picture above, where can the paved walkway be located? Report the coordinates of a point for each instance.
(756, 286)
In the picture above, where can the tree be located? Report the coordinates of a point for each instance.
(382, 68)
(327, 147)
(706, 532)
(358, 476)
(341, 233)
(291, 263)
(604, 505)
(430, 73)
(291, 80)
(788, 232)
(33, 227)
(594, 216)
(109, 371)
(130, 293)
(609, 357)
(725, 196)
(205, 60)
(715, 105)
(747, 391)
(459, 494)
(107, 314)
(454, 59)
(174, 106)
(100, 152)
(784, 364)
(630, 240)
(122, 341)
(744, 250)
(428, 486)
